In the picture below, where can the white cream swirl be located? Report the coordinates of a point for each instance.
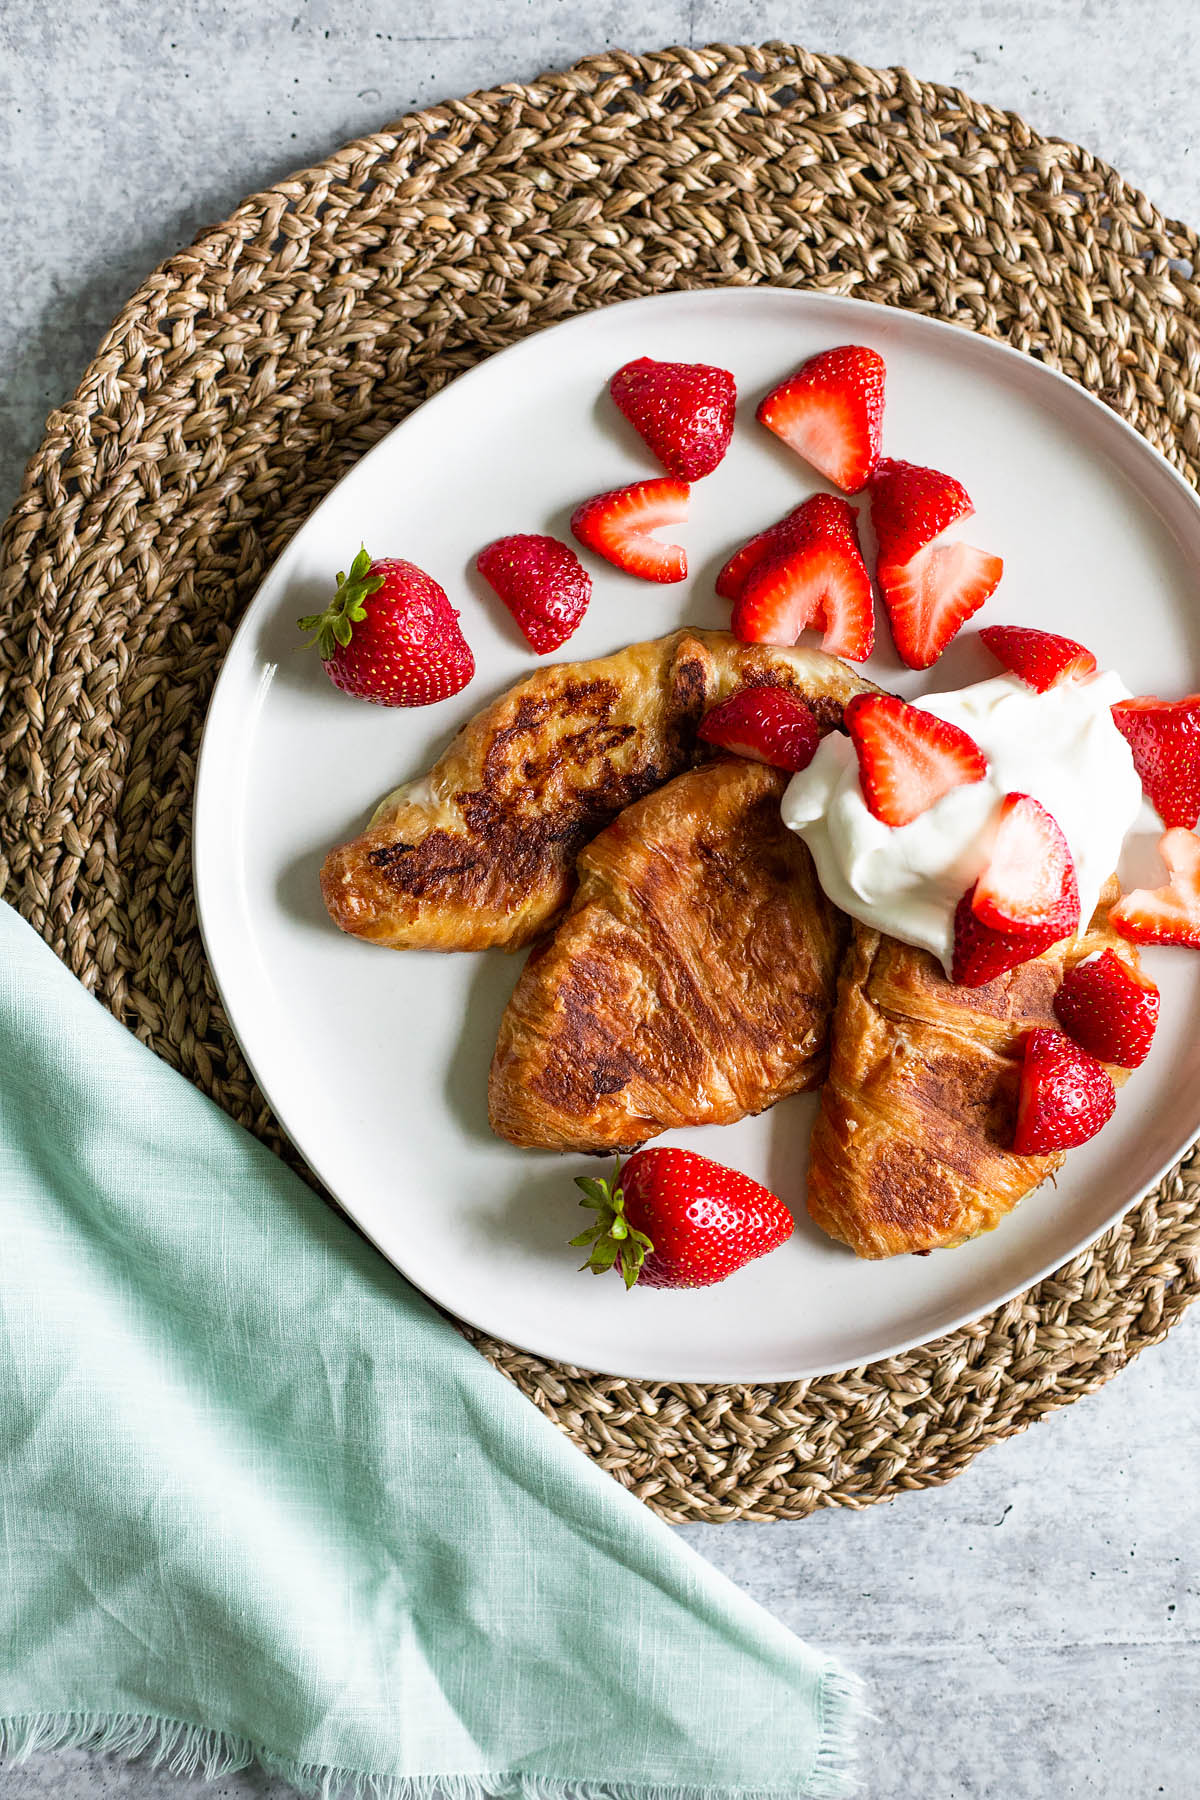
(1061, 746)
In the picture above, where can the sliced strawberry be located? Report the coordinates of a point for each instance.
(543, 584)
(907, 759)
(1171, 914)
(982, 955)
(617, 525)
(1065, 1095)
(831, 413)
(1164, 736)
(929, 590)
(814, 575)
(1041, 659)
(929, 598)
(683, 410)
(732, 578)
(767, 724)
(912, 505)
(1109, 1008)
(1029, 882)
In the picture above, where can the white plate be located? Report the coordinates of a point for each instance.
(376, 1062)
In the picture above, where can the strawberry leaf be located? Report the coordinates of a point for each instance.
(613, 1240)
(334, 627)
(588, 1237)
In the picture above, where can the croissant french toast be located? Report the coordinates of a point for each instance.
(690, 983)
(909, 1151)
(481, 851)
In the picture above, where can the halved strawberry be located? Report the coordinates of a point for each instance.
(929, 590)
(912, 505)
(543, 584)
(831, 413)
(814, 575)
(1164, 736)
(982, 954)
(1171, 914)
(907, 759)
(1041, 659)
(1109, 1008)
(1065, 1095)
(767, 724)
(732, 578)
(930, 597)
(617, 525)
(683, 410)
(1029, 882)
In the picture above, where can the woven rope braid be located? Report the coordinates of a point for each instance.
(253, 369)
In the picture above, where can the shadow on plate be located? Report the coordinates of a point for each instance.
(541, 1213)
(298, 889)
(792, 1121)
(466, 1085)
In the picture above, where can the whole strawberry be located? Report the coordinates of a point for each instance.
(391, 635)
(673, 1219)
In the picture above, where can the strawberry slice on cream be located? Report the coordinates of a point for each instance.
(1061, 748)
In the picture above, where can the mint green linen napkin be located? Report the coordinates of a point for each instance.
(259, 1502)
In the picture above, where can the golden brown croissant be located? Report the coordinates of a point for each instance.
(481, 851)
(690, 983)
(909, 1152)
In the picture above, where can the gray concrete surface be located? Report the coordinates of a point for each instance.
(1031, 1632)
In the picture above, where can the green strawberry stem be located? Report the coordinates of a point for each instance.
(334, 626)
(614, 1241)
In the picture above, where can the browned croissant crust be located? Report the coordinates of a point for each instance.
(909, 1152)
(481, 851)
(690, 983)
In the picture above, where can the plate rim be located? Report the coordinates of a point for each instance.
(206, 812)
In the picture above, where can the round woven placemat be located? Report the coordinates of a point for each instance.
(250, 371)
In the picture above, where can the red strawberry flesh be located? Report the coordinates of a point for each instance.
(911, 505)
(1065, 1096)
(1164, 737)
(907, 758)
(767, 724)
(617, 526)
(932, 595)
(1171, 914)
(543, 584)
(1041, 659)
(1029, 882)
(684, 411)
(831, 413)
(732, 578)
(982, 954)
(813, 574)
(1109, 1009)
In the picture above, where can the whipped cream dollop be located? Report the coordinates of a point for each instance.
(1061, 746)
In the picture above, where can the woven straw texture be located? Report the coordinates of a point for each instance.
(253, 369)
